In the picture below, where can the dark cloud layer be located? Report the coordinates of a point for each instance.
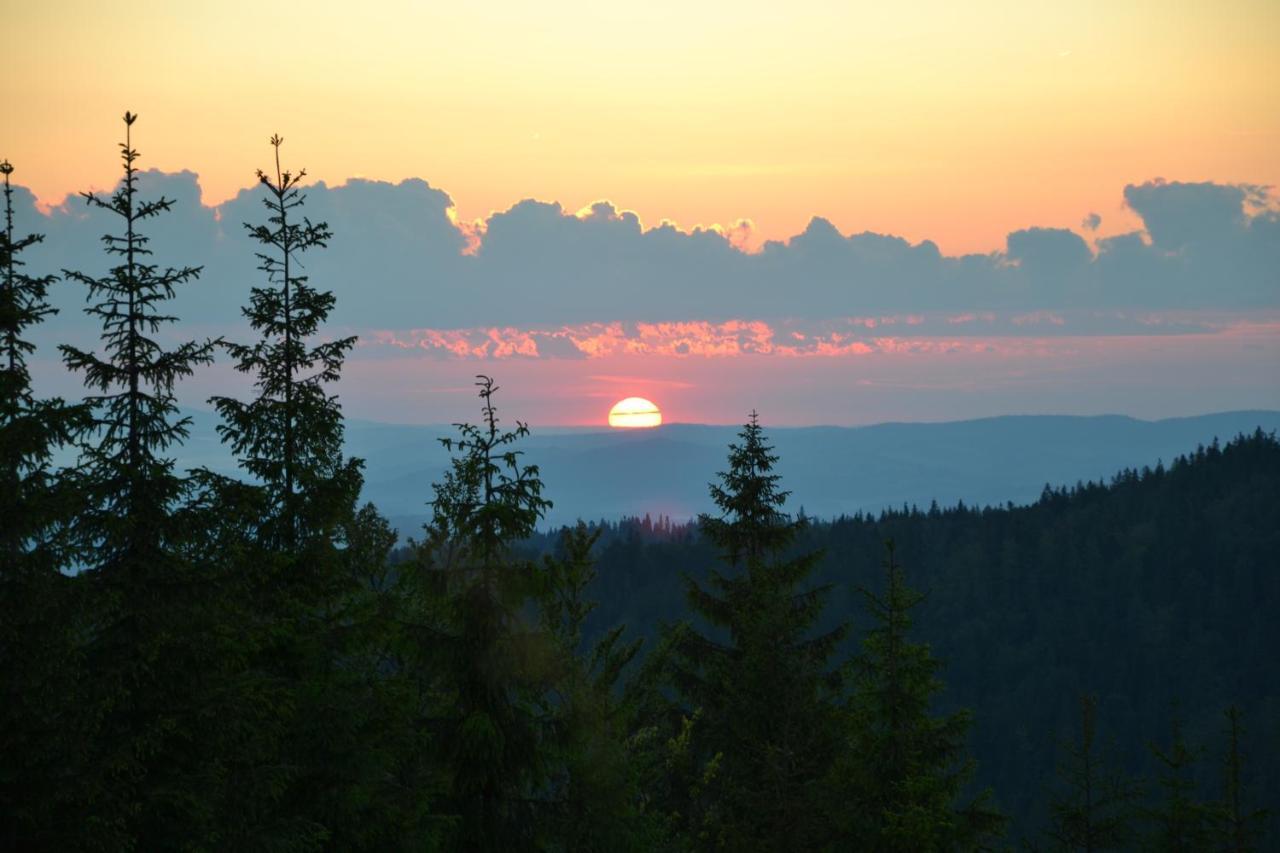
(398, 260)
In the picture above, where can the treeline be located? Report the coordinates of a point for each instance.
(198, 662)
(1153, 593)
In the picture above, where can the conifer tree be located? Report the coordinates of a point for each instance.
(492, 665)
(37, 613)
(762, 683)
(148, 654)
(593, 785)
(132, 486)
(909, 767)
(1238, 828)
(1095, 810)
(30, 430)
(310, 578)
(289, 437)
(1179, 822)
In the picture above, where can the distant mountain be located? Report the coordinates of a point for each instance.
(609, 474)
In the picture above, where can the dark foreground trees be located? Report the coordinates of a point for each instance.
(148, 649)
(907, 769)
(761, 680)
(38, 648)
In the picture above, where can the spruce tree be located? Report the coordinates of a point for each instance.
(1094, 812)
(908, 768)
(148, 653)
(289, 437)
(30, 429)
(761, 683)
(490, 663)
(38, 611)
(308, 576)
(1237, 827)
(1180, 823)
(132, 485)
(593, 787)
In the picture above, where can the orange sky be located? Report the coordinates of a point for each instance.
(955, 122)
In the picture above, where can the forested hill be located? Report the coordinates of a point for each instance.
(1157, 588)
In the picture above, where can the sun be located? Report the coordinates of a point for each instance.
(634, 412)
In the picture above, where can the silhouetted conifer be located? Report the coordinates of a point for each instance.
(1094, 811)
(593, 787)
(1238, 828)
(149, 654)
(907, 770)
(762, 683)
(311, 573)
(289, 436)
(492, 664)
(38, 612)
(1180, 823)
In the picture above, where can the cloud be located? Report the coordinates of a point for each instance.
(400, 260)
(1048, 253)
(1091, 222)
(1177, 215)
(843, 336)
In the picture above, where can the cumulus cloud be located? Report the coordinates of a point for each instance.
(400, 260)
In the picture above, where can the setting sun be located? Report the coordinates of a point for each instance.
(634, 412)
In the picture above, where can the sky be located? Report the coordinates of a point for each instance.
(831, 212)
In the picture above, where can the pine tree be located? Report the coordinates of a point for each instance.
(1180, 822)
(289, 437)
(148, 654)
(908, 768)
(30, 429)
(594, 794)
(1095, 810)
(762, 683)
(310, 577)
(1238, 828)
(136, 417)
(38, 613)
(491, 664)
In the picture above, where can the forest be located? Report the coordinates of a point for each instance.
(191, 661)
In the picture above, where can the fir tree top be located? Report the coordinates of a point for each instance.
(751, 524)
(136, 412)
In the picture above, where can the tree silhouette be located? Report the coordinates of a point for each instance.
(290, 435)
(131, 486)
(1239, 829)
(907, 768)
(765, 692)
(1095, 811)
(38, 611)
(491, 663)
(148, 654)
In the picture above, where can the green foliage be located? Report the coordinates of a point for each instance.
(907, 769)
(1237, 828)
(762, 684)
(39, 608)
(309, 572)
(594, 793)
(289, 436)
(488, 666)
(131, 486)
(1180, 823)
(149, 655)
(1095, 808)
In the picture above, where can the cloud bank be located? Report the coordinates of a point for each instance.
(399, 262)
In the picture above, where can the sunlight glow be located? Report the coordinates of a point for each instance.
(634, 412)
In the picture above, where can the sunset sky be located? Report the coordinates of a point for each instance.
(1131, 144)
